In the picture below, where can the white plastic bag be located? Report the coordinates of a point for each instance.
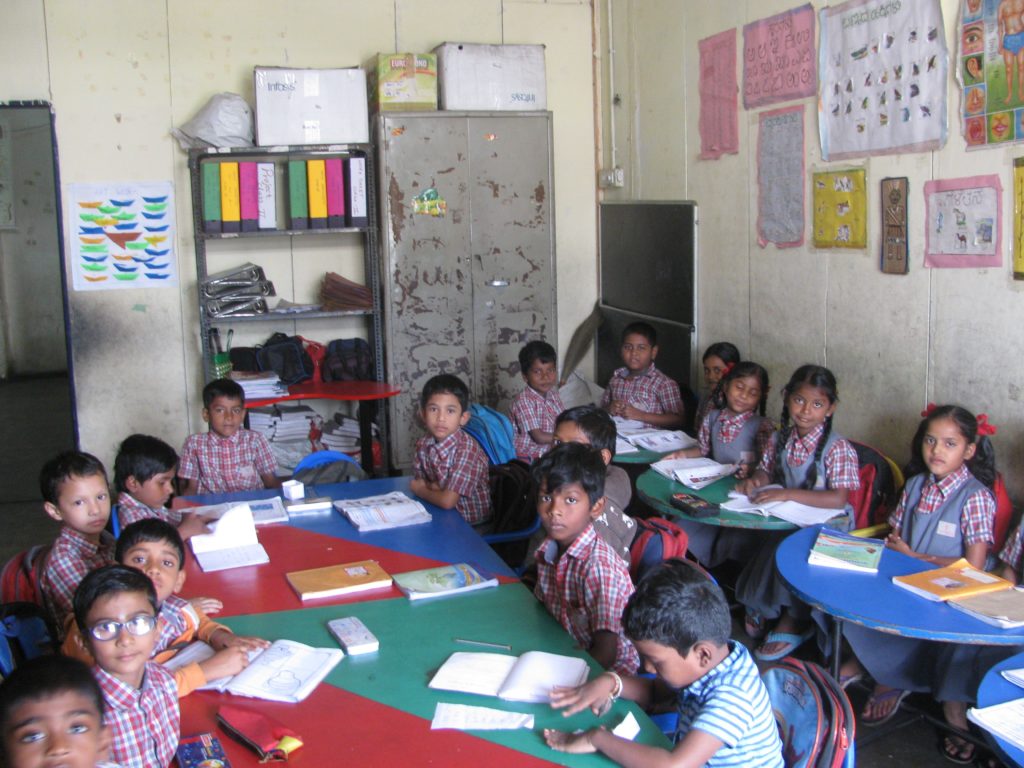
(224, 121)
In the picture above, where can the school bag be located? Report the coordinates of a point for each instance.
(1004, 513)
(287, 357)
(514, 507)
(348, 360)
(656, 540)
(878, 492)
(493, 431)
(25, 633)
(20, 576)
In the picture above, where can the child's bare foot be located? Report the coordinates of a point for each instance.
(883, 703)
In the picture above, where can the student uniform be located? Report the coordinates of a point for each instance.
(651, 391)
(532, 410)
(131, 510)
(144, 722)
(226, 464)
(71, 558)
(459, 464)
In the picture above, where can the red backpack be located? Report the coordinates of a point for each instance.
(20, 576)
(656, 540)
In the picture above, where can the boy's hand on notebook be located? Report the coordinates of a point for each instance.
(575, 743)
(595, 696)
(207, 605)
(192, 525)
(246, 643)
(225, 663)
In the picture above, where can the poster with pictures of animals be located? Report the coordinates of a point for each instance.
(882, 67)
(990, 69)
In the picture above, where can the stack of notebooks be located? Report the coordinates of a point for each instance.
(977, 593)
(323, 192)
(378, 513)
(693, 473)
(351, 578)
(263, 419)
(259, 385)
(293, 421)
(339, 294)
(341, 437)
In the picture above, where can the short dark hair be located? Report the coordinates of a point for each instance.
(641, 328)
(150, 529)
(676, 605)
(142, 457)
(43, 678)
(109, 580)
(445, 384)
(724, 350)
(534, 351)
(63, 466)
(571, 463)
(222, 388)
(596, 423)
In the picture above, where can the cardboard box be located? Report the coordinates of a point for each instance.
(310, 106)
(495, 77)
(402, 82)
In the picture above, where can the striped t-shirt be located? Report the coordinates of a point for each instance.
(731, 703)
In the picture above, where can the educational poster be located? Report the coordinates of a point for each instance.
(895, 242)
(778, 58)
(6, 177)
(718, 123)
(122, 235)
(840, 203)
(991, 71)
(780, 177)
(962, 222)
(882, 66)
(1018, 218)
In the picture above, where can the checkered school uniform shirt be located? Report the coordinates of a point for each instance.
(226, 465)
(532, 410)
(71, 558)
(652, 391)
(172, 622)
(730, 425)
(586, 589)
(459, 464)
(131, 510)
(1012, 550)
(842, 470)
(144, 722)
(976, 517)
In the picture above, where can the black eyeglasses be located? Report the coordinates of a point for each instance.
(139, 625)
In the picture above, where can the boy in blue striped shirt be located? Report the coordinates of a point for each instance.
(679, 622)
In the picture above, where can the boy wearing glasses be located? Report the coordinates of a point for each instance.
(115, 610)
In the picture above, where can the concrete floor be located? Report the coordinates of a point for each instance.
(35, 424)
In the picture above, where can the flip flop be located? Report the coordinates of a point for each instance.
(845, 681)
(894, 693)
(754, 625)
(790, 640)
(961, 753)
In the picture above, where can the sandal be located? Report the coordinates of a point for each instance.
(894, 695)
(755, 625)
(957, 750)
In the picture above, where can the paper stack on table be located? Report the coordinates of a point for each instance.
(693, 473)
(1004, 720)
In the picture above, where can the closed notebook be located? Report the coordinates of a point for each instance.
(960, 579)
(442, 581)
(1004, 608)
(335, 580)
(840, 550)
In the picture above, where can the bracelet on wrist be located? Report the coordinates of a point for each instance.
(617, 687)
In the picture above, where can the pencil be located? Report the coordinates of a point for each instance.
(463, 640)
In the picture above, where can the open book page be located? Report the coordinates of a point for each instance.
(286, 671)
(623, 425)
(231, 543)
(740, 502)
(694, 473)
(235, 557)
(481, 673)
(195, 653)
(1005, 720)
(1015, 676)
(537, 672)
(803, 514)
(264, 511)
(622, 445)
(391, 510)
(662, 440)
(462, 717)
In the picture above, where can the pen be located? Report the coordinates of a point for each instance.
(503, 646)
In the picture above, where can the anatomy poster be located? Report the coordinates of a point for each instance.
(963, 227)
(840, 202)
(718, 123)
(780, 177)
(121, 235)
(991, 71)
(882, 66)
(778, 58)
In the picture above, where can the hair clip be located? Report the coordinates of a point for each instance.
(727, 368)
(929, 410)
(984, 428)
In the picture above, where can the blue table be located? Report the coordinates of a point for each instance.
(995, 689)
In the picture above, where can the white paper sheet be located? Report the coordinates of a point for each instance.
(461, 717)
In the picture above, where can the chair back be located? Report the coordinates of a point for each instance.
(879, 489)
(323, 467)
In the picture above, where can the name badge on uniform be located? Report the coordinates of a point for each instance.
(947, 528)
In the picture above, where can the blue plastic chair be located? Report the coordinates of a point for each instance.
(319, 458)
(115, 521)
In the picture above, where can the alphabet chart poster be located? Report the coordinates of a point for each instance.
(840, 202)
(718, 123)
(778, 58)
(963, 226)
(991, 71)
(780, 177)
(121, 235)
(882, 66)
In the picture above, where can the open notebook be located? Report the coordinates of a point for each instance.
(529, 677)
(231, 543)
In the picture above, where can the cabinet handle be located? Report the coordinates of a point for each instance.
(498, 283)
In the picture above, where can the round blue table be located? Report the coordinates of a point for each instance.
(995, 689)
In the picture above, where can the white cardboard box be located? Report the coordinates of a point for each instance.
(310, 106)
(495, 77)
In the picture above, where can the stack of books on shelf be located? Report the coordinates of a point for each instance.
(293, 421)
(259, 385)
(339, 294)
(263, 419)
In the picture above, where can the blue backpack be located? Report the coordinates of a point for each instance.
(25, 633)
(493, 431)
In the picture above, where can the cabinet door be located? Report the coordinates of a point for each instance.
(512, 243)
(428, 290)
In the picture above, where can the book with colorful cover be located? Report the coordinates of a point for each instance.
(337, 580)
(841, 550)
(958, 580)
(201, 751)
(442, 581)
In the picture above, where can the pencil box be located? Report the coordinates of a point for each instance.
(262, 734)
(693, 505)
(201, 751)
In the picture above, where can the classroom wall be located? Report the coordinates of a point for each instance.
(895, 343)
(119, 80)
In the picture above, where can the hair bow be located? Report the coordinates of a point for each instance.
(727, 368)
(929, 410)
(984, 428)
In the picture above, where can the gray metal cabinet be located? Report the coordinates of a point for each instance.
(468, 253)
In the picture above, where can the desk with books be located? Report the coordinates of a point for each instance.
(996, 689)
(872, 600)
(376, 709)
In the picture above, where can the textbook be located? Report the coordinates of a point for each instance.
(790, 511)
(336, 580)
(660, 440)
(1005, 720)
(264, 511)
(201, 751)
(1004, 608)
(231, 543)
(958, 580)
(378, 513)
(527, 678)
(694, 473)
(442, 581)
(833, 549)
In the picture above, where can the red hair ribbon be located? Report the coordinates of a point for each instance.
(984, 428)
(727, 368)
(929, 409)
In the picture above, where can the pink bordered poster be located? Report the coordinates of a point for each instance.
(963, 222)
(780, 177)
(779, 59)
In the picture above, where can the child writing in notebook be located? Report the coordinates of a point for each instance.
(814, 465)
(718, 359)
(946, 512)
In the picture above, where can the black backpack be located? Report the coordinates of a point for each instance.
(515, 507)
(287, 357)
(348, 360)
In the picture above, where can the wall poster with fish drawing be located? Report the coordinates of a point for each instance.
(990, 70)
(882, 67)
(963, 222)
(121, 235)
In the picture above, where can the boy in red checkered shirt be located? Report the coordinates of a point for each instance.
(638, 390)
(74, 488)
(580, 579)
(534, 410)
(229, 457)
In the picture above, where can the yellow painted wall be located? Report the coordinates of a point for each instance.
(894, 342)
(120, 77)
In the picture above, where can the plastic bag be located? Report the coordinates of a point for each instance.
(225, 121)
